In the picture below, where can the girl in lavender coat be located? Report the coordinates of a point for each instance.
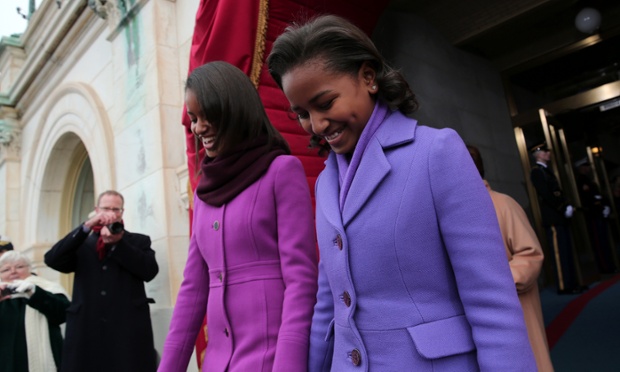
(251, 265)
(412, 274)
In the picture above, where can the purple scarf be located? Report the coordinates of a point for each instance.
(346, 169)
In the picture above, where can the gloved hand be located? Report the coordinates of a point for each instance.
(568, 212)
(22, 287)
(606, 211)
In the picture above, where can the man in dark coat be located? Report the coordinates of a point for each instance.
(596, 210)
(556, 212)
(108, 322)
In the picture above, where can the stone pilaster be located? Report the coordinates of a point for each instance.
(10, 170)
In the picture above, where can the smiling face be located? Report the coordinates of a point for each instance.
(201, 127)
(332, 105)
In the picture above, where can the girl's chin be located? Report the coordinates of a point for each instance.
(342, 148)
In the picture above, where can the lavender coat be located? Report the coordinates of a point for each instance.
(251, 267)
(413, 273)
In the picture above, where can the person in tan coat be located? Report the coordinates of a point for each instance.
(525, 257)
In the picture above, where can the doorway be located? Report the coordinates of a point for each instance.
(581, 129)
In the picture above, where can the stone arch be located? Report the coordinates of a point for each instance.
(74, 128)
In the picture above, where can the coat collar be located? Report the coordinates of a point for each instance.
(396, 130)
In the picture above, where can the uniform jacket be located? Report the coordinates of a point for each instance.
(251, 267)
(525, 257)
(551, 198)
(413, 275)
(109, 321)
(592, 202)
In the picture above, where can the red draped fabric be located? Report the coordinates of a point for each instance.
(230, 30)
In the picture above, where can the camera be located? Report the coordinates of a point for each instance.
(7, 292)
(116, 228)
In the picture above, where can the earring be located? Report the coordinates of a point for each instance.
(374, 87)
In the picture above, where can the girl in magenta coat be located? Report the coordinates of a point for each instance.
(251, 265)
(412, 275)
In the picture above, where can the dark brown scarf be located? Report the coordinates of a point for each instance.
(225, 176)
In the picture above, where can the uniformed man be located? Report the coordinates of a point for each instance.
(556, 212)
(596, 210)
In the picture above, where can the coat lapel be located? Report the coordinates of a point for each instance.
(372, 170)
(375, 166)
(327, 192)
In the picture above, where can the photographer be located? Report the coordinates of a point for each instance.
(108, 322)
(31, 312)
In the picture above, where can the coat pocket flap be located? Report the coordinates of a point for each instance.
(140, 301)
(443, 338)
(74, 308)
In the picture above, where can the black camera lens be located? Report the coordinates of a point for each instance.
(116, 228)
(7, 292)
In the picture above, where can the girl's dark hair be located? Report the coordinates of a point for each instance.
(344, 48)
(475, 155)
(230, 102)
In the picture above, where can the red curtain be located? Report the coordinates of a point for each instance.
(232, 31)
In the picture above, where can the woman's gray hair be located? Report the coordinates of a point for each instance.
(15, 256)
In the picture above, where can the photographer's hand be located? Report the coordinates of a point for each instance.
(22, 287)
(101, 218)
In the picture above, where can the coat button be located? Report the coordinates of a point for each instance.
(356, 357)
(220, 277)
(103, 293)
(226, 331)
(104, 267)
(216, 225)
(346, 297)
(338, 241)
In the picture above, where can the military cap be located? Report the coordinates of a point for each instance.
(540, 147)
(583, 161)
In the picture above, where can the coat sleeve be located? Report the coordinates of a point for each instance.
(52, 305)
(298, 263)
(474, 245)
(63, 255)
(134, 254)
(521, 241)
(189, 310)
(321, 332)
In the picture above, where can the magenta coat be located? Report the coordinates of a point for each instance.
(252, 269)
(413, 273)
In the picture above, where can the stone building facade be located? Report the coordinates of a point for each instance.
(91, 99)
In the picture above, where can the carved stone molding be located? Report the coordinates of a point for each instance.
(10, 133)
(108, 10)
(185, 192)
(10, 141)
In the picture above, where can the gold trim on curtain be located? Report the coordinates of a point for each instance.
(259, 45)
(190, 195)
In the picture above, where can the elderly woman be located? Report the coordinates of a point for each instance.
(31, 311)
